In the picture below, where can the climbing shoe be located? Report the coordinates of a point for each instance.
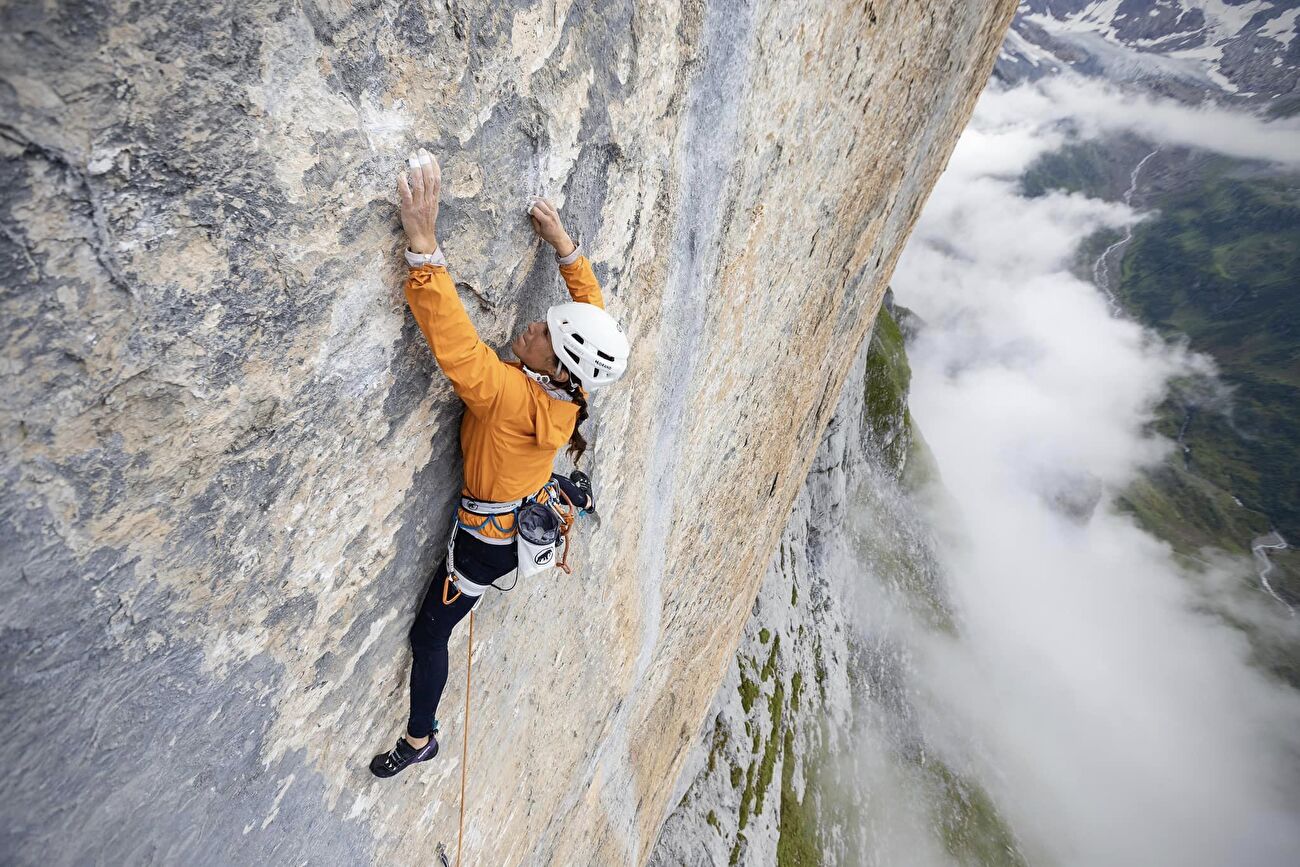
(389, 763)
(583, 483)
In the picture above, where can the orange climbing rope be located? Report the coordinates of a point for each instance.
(567, 521)
(464, 754)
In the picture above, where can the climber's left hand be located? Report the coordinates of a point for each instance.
(420, 202)
(547, 224)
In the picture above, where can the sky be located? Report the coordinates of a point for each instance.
(1110, 716)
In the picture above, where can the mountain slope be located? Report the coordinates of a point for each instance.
(1241, 52)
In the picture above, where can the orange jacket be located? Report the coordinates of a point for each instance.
(512, 429)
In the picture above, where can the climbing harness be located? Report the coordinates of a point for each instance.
(537, 525)
(493, 523)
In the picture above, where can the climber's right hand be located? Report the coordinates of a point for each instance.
(420, 201)
(548, 226)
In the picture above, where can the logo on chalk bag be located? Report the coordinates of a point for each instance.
(544, 556)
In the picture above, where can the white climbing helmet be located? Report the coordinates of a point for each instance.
(588, 342)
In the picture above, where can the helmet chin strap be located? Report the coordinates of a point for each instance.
(532, 374)
(543, 378)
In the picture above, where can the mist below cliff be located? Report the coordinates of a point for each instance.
(1103, 690)
(963, 651)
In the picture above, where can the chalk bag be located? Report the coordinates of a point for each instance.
(537, 538)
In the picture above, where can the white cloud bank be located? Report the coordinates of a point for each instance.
(1111, 719)
(1096, 110)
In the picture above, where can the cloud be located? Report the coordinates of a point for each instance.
(1112, 719)
(1096, 110)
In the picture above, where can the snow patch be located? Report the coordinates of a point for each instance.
(1281, 28)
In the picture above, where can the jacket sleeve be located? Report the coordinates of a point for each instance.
(476, 372)
(581, 281)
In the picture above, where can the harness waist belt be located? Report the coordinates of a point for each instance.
(484, 507)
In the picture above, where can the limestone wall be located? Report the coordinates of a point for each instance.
(229, 456)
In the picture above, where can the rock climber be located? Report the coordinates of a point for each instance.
(518, 416)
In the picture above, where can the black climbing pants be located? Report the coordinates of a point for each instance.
(481, 563)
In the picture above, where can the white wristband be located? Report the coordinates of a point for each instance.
(415, 260)
(572, 257)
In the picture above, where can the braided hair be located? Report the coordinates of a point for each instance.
(577, 442)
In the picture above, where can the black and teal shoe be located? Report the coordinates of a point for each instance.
(583, 483)
(399, 757)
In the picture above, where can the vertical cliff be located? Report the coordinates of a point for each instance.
(813, 751)
(786, 702)
(228, 456)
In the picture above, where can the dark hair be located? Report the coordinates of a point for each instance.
(577, 442)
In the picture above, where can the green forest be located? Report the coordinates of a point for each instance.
(1220, 265)
(1216, 264)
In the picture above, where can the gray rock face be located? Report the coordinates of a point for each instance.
(229, 456)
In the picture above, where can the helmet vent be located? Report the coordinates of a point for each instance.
(608, 358)
(578, 337)
(573, 355)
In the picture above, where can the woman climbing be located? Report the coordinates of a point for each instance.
(518, 416)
